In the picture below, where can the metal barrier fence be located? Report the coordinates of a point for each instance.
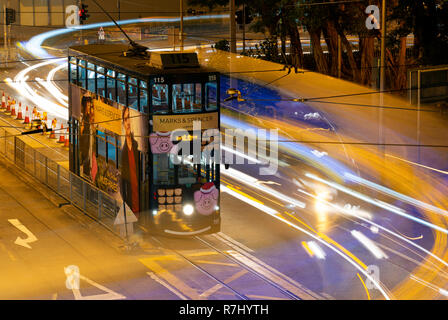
(71, 187)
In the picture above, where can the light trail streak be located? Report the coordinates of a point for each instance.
(327, 164)
(62, 98)
(342, 210)
(240, 154)
(252, 182)
(365, 287)
(429, 285)
(19, 83)
(273, 213)
(34, 45)
(377, 203)
(329, 240)
(418, 164)
(395, 194)
(245, 198)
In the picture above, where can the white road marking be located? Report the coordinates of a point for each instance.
(30, 236)
(110, 295)
(369, 244)
(317, 250)
(167, 285)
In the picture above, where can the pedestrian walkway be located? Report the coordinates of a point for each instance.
(47, 161)
(11, 127)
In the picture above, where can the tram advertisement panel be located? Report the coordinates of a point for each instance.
(111, 139)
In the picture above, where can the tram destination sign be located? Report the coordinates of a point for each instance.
(185, 121)
(167, 60)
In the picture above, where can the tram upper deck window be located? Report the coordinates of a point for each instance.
(82, 73)
(100, 81)
(187, 97)
(111, 92)
(211, 95)
(91, 77)
(132, 93)
(160, 98)
(73, 67)
(121, 88)
(143, 92)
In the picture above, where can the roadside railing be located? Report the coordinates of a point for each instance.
(78, 192)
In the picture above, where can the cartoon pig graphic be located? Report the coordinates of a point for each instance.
(206, 199)
(160, 142)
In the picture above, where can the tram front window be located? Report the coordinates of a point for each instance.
(160, 98)
(187, 97)
(163, 169)
(185, 173)
(211, 95)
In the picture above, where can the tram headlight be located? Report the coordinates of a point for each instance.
(188, 209)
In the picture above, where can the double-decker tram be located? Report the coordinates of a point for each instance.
(123, 108)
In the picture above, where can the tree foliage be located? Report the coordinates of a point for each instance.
(279, 20)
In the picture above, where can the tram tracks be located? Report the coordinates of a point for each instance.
(233, 270)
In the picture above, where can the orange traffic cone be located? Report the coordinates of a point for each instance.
(8, 106)
(67, 140)
(53, 129)
(61, 135)
(3, 101)
(13, 109)
(34, 115)
(19, 112)
(44, 120)
(27, 116)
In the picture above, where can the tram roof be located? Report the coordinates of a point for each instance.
(111, 56)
